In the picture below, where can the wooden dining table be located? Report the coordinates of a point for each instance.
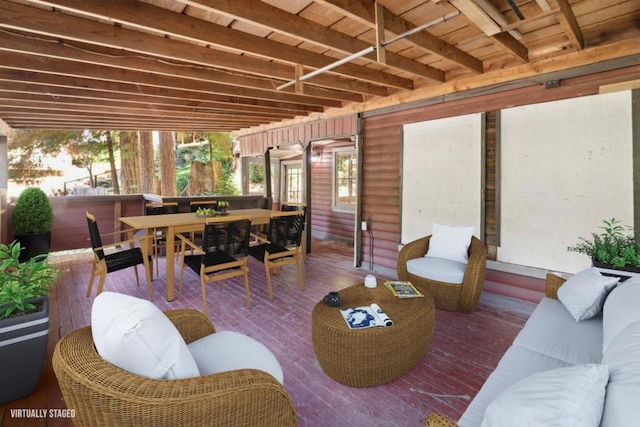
(184, 223)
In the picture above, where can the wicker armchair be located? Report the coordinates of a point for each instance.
(102, 394)
(448, 296)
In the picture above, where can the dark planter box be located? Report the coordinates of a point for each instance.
(33, 245)
(623, 273)
(23, 350)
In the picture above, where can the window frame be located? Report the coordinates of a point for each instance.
(335, 205)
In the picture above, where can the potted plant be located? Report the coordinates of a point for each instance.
(24, 320)
(612, 249)
(223, 205)
(31, 219)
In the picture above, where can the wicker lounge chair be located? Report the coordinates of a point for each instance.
(102, 394)
(448, 296)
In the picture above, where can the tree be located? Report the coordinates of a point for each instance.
(86, 151)
(29, 147)
(112, 162)
(130, 162)
(167, 164)
(147, 162)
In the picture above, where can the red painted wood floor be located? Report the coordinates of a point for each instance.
(464, 350)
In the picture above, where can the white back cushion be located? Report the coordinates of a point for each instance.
(622, 404)
(584, 293)
(621, 308)
(134, 335)
(450, 242)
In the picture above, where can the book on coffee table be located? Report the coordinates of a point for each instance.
(368, 316)
(403, 289)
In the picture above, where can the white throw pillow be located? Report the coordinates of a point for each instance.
(134, 335)
(572, 396)
(622, 403)
(621, 308)
(584, 293)
(450, 242)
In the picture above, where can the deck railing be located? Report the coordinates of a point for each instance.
(70, 224)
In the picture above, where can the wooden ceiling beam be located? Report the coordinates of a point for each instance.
(274, 19)
(479, 18)
(57, 25)
(35, 78)
(163, 22)
(363, 11)
(68, 104)
(119, 58)
(140, 78)
(569, 23)
(49, 92)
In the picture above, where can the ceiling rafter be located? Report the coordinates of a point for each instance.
(364, 12)
(272, 18)
(148, 17)
(219, 65)
(478, 17)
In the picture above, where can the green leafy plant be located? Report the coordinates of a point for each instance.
(32, 213)
(612, 246)
(22, 281)
(223, 204)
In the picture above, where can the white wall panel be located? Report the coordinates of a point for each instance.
(566, 165)
(441, 174)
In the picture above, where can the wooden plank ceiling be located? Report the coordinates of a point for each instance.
(218, 65)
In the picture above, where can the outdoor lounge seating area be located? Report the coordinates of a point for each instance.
(442, 381)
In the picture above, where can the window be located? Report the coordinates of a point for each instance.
(292, 182)
(345, 179)
(253, 175)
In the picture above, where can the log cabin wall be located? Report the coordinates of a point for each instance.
(382, 151)
(325, 223)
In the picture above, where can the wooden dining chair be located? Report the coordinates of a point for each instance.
(118, 259)
(281, 245)
(221, 255)
(160, 235)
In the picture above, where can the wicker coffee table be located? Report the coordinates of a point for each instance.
(373, 356)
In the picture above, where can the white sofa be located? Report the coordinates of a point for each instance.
(601, 357)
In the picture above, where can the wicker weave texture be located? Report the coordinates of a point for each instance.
(439, 420)
(373, 356)
(553, 284)
(104, 395)
(448, 296)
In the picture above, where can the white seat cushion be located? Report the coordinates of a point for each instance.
(438, 269)
(551, 330)
(134, 335)
(229, 351)
(516, 364)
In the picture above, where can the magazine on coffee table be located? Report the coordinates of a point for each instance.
(403, 289)
(368, 316)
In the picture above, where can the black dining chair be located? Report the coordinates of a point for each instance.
(119, 259)
(281, 245)
(160, 235)
(298, 206)
(221, 255)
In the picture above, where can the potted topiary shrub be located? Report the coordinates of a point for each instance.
(611, 250)
(24, 320)
(31, 219)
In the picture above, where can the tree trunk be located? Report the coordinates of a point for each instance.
(130, 162)
(147, 162)
(167, 165)
(112, 163)
(200, 181)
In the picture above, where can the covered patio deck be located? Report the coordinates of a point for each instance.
(464, 350)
